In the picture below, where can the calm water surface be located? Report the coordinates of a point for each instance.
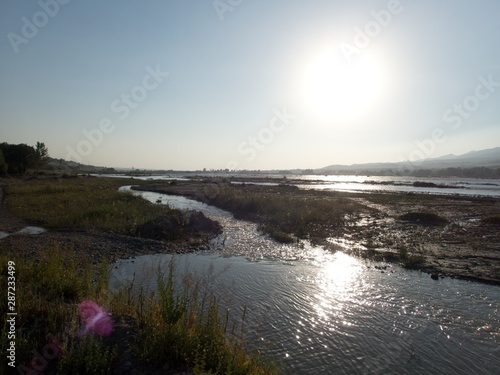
(323, 313)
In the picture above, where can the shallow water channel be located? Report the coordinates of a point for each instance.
(324, 313)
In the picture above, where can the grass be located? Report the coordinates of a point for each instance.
(47, 291)
(284, 212)
(82, 203)
(184, 325)
(179, 324)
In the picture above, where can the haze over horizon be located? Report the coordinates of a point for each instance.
(248, 84)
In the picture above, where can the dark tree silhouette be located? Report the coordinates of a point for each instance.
(41, 156)
(18, 157)
(3, 164)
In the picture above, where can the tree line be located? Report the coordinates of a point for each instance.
(17, 159)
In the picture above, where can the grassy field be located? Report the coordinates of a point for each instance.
(82, 202)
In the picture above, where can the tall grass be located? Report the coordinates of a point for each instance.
(184, 326)
(83, 202)
(180, 324)
(47, 291)
(283, 211)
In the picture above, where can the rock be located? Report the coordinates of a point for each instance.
(198, 222)
(434, 276)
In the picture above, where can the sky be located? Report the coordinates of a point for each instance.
(242, 84)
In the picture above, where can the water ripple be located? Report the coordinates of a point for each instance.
(334, 314)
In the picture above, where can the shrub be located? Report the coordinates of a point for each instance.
(423, 218)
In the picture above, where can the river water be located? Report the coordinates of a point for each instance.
(405, 184)
(323, 313)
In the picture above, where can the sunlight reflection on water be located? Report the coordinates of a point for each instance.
(327, 313)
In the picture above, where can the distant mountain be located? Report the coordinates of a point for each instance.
(475, 159)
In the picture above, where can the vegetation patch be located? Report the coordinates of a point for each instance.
(491, 220)
(181, 324)
(96, 203)
(283, 211)
(47, 291)
(277, 234)
(423, 218)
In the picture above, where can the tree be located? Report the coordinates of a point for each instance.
(3, 164)
(18, 157)
(41, 156)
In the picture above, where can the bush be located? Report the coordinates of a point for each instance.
(423, 218)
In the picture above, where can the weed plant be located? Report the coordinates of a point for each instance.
(47, 292)
(181, 324)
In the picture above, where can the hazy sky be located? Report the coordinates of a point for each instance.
(250, 84)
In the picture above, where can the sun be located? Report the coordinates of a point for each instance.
(335, 89)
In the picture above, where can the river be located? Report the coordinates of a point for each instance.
(431, 185)
(324, 313)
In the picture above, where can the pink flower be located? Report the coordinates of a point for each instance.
(95, 318)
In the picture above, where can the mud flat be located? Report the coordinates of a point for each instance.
(443, 235)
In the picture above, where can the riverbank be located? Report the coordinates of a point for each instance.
(442, 235)
(89, 226)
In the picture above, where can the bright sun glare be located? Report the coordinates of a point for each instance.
(335, 89)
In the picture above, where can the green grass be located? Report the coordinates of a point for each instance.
(179, 324)
(83, 202)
